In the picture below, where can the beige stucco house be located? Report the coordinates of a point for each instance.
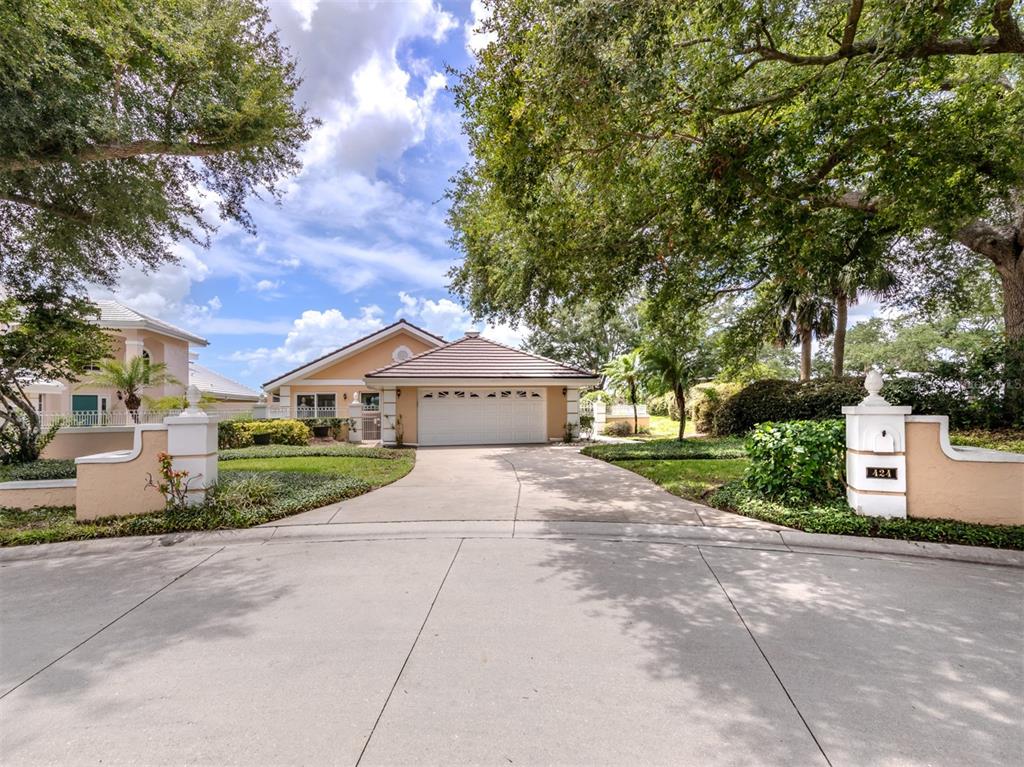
(133, 334)
(426, 391)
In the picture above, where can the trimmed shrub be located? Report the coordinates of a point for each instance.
(664, 405)
(597, 394)
(284, 431)
(797, 461)
(44, 468)
(705, 401)
(617, 429)
(237, 434)
(779, 400)
(230, 434)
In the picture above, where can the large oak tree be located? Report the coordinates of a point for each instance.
(115, 117)
(694, 148)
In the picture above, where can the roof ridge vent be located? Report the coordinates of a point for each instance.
(472, 334)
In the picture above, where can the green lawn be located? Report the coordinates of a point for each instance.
(692, 479)
(373, 471)
(663, 426)
(264, 484)
(691, 447)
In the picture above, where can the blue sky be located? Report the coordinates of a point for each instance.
(360, 237)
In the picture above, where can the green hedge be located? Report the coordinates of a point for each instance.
(836, 518)
(705, 402)
(779, 400)
(664, 405)
(797, 461)
(235, 434)
(44, 468)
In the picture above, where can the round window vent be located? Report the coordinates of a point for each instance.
(401, 353)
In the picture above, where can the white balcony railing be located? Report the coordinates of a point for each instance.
(306, 413)
(103, 418)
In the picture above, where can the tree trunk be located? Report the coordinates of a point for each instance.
(805, 354)
(1013, 321)
(632, 399)
(131, 404)
(680, 395)
(839, 343)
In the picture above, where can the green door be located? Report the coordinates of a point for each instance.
(85, 409)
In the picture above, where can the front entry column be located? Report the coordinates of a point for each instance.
(572, 410)
(388, 415)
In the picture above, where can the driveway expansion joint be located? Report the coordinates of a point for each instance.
(764, 655)
(99, 631)
(408, 655)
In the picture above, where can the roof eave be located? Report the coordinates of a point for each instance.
(473, 381)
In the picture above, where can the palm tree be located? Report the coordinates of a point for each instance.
(625, 374)
(846, 288)
(130, 378)
(803, 316)
(674, 370)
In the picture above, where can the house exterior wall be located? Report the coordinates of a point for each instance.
(353, 368)
(408, 409)
(171, 351)
(557, 412)
(971, 491)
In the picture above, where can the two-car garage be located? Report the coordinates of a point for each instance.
(481, 416)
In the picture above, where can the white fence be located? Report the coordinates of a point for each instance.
(626, 411)
(83, 418)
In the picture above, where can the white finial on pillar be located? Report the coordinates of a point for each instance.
(193, 396)
(874, 382)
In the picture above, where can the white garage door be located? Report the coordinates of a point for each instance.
(481, 416)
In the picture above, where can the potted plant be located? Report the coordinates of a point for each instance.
(261, 439)
(321, 428)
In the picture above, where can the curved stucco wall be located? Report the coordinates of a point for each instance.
(938, 486)
(119, 488)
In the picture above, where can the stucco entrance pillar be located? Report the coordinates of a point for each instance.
(876, 459)
(388, 415)
(192, 445)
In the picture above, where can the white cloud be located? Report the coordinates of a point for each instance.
(312, 335)
(476, 38)
(447, 318)
(371, 107)
(264, 286)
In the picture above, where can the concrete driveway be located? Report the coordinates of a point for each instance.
(470, 650)
(513, 483)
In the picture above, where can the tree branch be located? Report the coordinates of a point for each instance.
(100, 152)
(852, 20)
(76, 217)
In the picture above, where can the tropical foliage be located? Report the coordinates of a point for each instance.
(130, 379)
(679, 151)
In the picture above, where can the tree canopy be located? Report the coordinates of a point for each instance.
(687, 150)
(116, 116)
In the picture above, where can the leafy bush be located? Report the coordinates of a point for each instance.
(664, 405)
(595, 395)
(230, 434)
(797, 461)
(779, 400)
(617, 429)
(968, 404)
(44, 468)
(836, 518)
(586, 425)
(704, 402)
(1009, 440)
(235, 434)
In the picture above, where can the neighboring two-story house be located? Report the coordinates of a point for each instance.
(134, 334)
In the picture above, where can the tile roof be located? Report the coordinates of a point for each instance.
(385, 329)
(220, 386)
(114, 314)
(475, 357)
